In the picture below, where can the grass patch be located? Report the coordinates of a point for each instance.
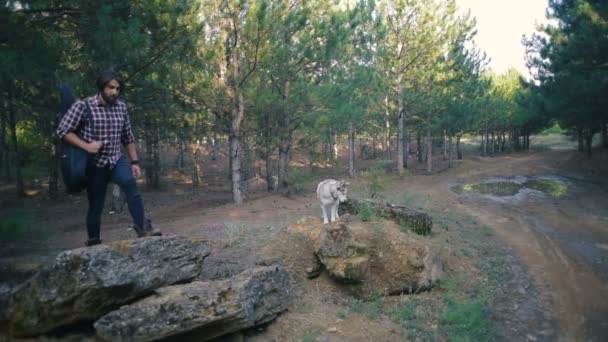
(452, 282)
(299, 182)
(466, 321)
(375, 180)
(372, 306)
(408, 318)
(312, 334)
(235, 233)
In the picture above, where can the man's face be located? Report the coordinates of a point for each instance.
(111, 91)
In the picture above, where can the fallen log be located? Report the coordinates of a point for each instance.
(419, 222)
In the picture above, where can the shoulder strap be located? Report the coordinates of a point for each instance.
(87, 113)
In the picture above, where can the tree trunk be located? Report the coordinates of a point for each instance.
(493, 142)
(283, 166)
(236, 153)
(181, 152)
(4, 146)
(581, 140)
(419, 146)
(12, 121)
(53, 168)
(214, 145)
(458, 150)
(387, 132)
(285, 143)
(334, 146)
(445, 144)
(351, 149)
(429, 146)
(153, 153)
(196, 165)
(485, 140)
(270, 179)
(374, 142)
(401, 143)
(588, 143)
(450, 148)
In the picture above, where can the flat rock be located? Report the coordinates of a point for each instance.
(205, 310)
(85, 283)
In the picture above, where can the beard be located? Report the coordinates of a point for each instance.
(109, 99)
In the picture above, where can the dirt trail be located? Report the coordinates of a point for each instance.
(562, 240)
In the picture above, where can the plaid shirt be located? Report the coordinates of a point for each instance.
(110, 126)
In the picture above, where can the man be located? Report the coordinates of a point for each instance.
(98, 125)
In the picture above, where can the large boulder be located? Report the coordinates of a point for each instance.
(205, 309)
(402, 262)
(85, 283)
(344, 258)
(375, 256)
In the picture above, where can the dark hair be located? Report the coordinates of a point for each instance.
(107, 76)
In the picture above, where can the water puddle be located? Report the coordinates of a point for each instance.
(503, 187)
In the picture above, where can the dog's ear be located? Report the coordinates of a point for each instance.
(344, 183)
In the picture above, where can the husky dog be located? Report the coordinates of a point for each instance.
(118, 200)
(331, 193)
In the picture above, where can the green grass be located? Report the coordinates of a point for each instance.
(371, 306)
(408, 318)
(466, 321)
(452, 282)
(312, 334)
(300, 181)
(235, 233)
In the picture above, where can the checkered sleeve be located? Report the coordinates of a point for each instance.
(126, 136)
(71, 120)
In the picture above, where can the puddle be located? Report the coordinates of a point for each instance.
(496, 188)
(512, 186)
(551, 187)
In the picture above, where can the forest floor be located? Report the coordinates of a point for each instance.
(528, 267)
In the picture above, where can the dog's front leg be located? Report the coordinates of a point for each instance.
(334, 212)
(324, 210)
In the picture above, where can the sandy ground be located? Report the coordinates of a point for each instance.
(558, 247)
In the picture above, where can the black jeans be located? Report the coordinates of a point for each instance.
(98, 179)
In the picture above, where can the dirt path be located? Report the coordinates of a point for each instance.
(563, 243)
(562, 240)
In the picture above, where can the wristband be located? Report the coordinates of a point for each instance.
(134, 162)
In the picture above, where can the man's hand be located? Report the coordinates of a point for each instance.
(136, 170)
(93, 147)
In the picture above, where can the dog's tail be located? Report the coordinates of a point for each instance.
(319, 189)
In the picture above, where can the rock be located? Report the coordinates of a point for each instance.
(417, 221)
(410, 263)
(344, 258)
(207, 309)
(85, 283)
(382, 258)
